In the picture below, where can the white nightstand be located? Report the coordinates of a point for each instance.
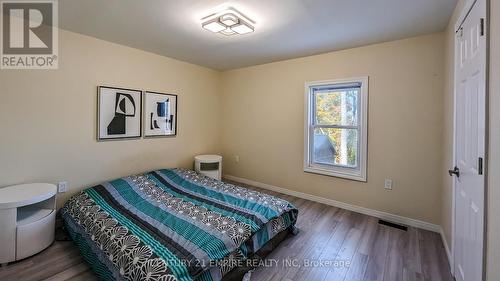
(209, 165)
(27, 220)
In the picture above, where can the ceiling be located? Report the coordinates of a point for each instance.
(284, 28)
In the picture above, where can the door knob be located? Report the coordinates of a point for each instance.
(455, 171)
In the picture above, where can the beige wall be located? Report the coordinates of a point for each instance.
(493, 241)
(263, 108)
(48, 122)
(48, 118)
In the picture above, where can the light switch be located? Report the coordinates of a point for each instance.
(388, 184)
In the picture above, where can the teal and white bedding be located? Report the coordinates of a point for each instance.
(172, 224)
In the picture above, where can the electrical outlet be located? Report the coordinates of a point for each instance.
(388, 184)
(237, 159)
(62, 186)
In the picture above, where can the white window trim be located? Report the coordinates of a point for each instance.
(336, 171)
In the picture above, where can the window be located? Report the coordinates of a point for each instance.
(335, 135)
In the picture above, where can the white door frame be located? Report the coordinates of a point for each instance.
(463, 15)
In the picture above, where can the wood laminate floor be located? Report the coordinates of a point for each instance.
(329, 239)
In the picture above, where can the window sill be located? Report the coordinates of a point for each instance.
(349, 176)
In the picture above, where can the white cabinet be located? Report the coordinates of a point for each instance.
(27, 220)
(209, 165)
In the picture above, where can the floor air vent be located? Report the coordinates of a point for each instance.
(395, 225)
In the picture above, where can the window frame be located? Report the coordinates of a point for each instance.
(358, 173)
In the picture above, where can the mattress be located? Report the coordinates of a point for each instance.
(172, 224)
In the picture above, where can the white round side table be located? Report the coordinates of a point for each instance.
(27, 220)
(209, 165)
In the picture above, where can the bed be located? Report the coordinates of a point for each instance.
(175, 224)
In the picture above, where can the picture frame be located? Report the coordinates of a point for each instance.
(119, 113)
(160, 114)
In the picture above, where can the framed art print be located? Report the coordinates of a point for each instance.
(119, 113)
(160, 114)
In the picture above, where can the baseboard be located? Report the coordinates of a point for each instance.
(378, 214)
(446, 247)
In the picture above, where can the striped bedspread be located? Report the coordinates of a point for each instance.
(172, 224)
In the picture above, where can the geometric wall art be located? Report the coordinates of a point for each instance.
(160, 114)
(119, 113)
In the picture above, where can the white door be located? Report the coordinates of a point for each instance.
(470, 123)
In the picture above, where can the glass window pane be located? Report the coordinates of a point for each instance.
(336, 106)
(333, 146)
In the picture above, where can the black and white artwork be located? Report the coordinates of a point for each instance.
(160, 114)
(119, 113)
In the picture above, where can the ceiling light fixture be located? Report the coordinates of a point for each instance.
(229, 19)
(228, 22)
(228, 31)
(214, 26)
(242, 28)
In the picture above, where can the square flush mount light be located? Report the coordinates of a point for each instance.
(228, 22)
(229, 19)
(214, 26)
